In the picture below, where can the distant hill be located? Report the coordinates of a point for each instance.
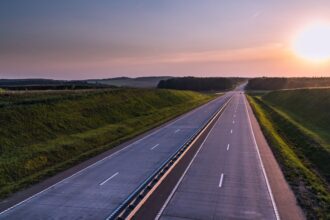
(29, 82)
(139, 82)
(47, 84)
(43, 84)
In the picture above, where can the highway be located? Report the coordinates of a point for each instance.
(98, 190)
(226, 178)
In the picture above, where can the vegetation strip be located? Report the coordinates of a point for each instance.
(310, 187)
(273, 83)
(200, 83)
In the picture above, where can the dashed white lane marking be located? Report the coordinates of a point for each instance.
(154, 147)
(101, 184)
(177, 130)
(228, 147)
(231, 131)
(233, 121)
(221, 180)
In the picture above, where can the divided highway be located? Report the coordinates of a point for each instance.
(98, 190)
(226, 178)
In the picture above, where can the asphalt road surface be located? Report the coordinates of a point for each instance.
(225, 179)
(96, 191)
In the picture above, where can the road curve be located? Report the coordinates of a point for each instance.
(98, 190)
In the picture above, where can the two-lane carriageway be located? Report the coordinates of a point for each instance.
(226, 178)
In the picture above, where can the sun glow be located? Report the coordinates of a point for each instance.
(313, 43)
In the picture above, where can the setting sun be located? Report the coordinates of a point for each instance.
(313, 42)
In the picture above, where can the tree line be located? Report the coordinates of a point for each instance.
(199, 83)
(275, 83)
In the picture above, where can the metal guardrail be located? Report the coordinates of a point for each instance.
(137, 195)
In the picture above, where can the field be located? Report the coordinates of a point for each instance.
(139, 82)
(276, 83)
(48, 84)
(42, 133)
(296, 124)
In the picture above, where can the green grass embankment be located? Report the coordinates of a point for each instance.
(309, 107)
(44, 133)
(302, 158)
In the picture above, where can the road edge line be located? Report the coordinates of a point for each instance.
(261, 163)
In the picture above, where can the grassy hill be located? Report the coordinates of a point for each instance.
(296, 124)
(42, 133)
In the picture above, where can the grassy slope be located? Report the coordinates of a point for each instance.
(42, 133)
(309, 107)
(296, 151)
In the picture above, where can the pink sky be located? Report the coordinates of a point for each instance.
(64, 40)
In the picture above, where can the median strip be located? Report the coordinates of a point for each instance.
(134, 202)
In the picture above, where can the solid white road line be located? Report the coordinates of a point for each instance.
(221, 180)
(101, 184)
(262, 165)
(154, 147)
(177, 130)
(228, 147)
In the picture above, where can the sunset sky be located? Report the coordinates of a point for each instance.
(79, 39)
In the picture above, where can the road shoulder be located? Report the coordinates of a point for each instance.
(284, 197)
